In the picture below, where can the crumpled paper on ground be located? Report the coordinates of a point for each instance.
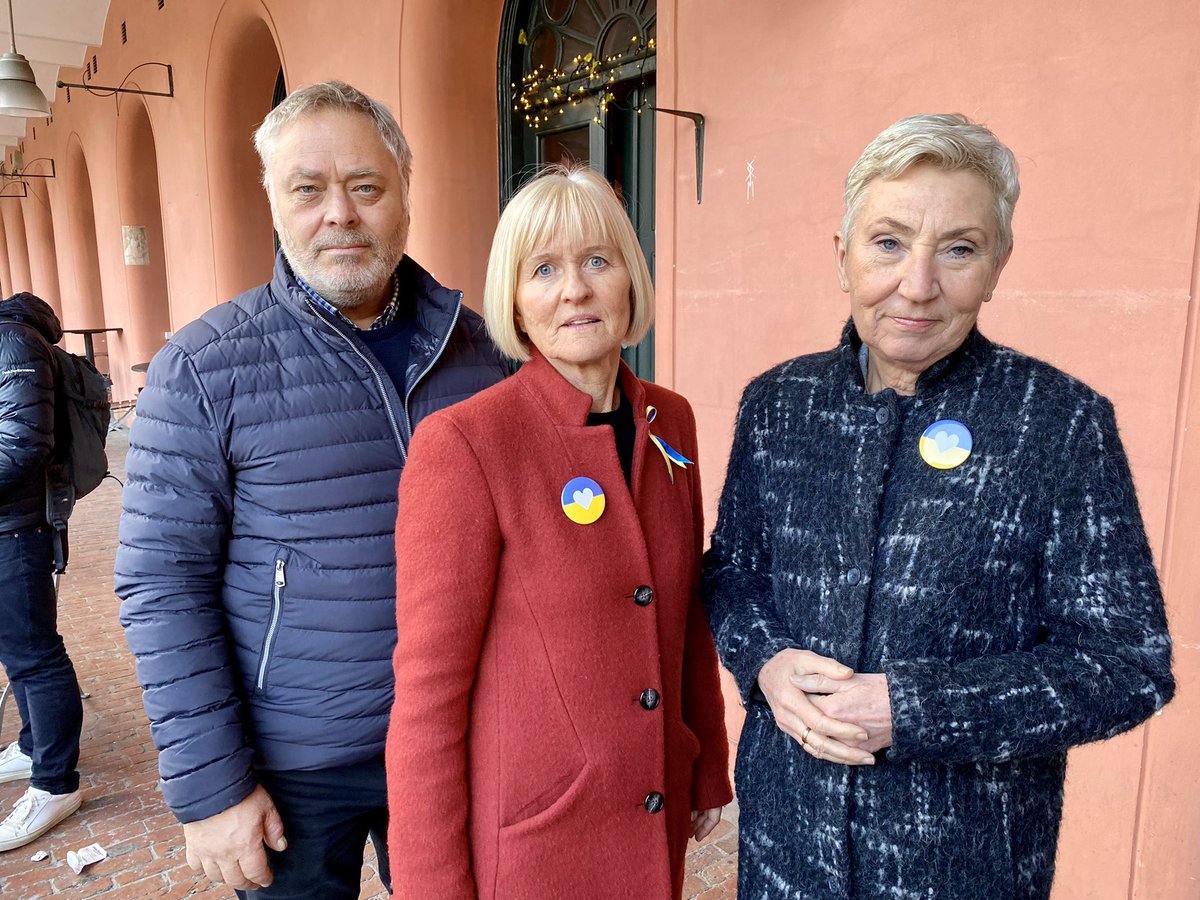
(92, 853)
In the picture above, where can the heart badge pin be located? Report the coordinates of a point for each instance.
(946, 444)
(583, 501)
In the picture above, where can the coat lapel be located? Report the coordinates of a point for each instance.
(584, 451)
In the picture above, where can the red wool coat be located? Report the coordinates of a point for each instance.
(526, 735)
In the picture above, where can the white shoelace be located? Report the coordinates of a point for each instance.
(21, 810)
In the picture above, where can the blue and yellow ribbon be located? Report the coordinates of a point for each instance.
(670, 455)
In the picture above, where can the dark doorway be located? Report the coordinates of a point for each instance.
(577, 86)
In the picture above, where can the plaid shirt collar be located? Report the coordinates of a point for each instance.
(387, 317)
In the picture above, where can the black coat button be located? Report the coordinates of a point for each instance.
(654, 802)
(854, 576)
(643, 595)
(649, 698)
(882, 415)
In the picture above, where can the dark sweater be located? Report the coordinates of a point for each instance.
(1012, 603)
(390, 346)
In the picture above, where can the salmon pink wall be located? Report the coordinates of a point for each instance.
(1167, 856)
(5, 270)
(84, 306)
(448, 111)
(39, 231)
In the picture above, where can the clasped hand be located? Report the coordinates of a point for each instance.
(833, 712)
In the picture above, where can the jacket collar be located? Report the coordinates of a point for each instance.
(564, 403)
(954, 368)
(422, 298)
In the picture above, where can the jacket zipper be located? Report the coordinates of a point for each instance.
(273, 626)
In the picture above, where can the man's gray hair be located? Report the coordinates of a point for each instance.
(340, 97)
(949, 141)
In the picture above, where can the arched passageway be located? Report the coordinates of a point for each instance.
(149, 315)
(18, 246)
(39, 231)
(243, 68)
(82, 300)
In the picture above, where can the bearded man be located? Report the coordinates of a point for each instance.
(256, 562)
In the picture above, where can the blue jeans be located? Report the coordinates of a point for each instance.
(328, 814)
(35, 659)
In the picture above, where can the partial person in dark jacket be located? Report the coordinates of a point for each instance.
(256, 560)
(929, 574)
(39, 670)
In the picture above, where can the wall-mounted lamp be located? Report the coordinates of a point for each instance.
(19, 93)
(21, 169)
(101, 90)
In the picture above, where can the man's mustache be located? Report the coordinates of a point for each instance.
(342, 239)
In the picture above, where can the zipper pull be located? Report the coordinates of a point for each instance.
(280, 581)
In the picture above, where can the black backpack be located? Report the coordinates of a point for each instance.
(81, 416)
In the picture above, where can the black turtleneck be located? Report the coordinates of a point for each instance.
(621, 421)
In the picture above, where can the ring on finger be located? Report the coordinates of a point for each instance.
(804, 737)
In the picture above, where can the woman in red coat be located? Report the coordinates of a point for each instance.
(558, 730)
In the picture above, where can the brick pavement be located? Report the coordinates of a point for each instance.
(122, 809)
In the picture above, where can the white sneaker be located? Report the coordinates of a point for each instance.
(34, 814)
(14, 765)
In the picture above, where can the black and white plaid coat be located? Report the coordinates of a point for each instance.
(1012, 603)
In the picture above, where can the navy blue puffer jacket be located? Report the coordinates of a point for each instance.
(256, 561)
(28, 327)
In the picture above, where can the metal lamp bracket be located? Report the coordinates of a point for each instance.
(101, 90)
(23, 171)
(698, 121)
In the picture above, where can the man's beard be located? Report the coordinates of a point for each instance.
(346, 282)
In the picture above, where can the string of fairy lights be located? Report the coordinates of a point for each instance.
(547, 93)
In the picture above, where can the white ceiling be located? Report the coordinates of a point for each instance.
(50, 34)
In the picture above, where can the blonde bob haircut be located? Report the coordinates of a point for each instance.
(572, 204)
(948, 141)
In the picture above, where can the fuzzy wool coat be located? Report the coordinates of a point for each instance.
(1011, 602)
(523, 745)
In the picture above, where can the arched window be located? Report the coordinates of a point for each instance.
(577, 85)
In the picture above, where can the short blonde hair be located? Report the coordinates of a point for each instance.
(949, 141)
(574, 203)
